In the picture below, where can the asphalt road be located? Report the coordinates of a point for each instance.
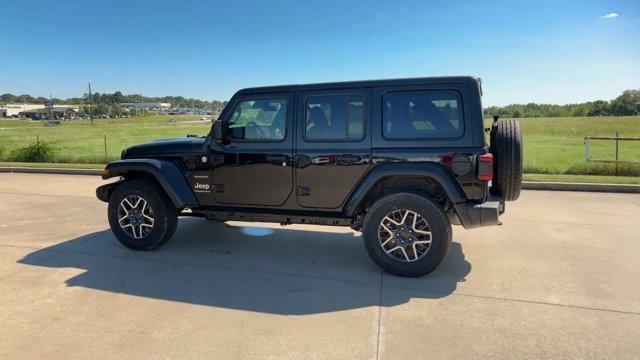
(560, 278)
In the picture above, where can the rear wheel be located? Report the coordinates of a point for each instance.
(407, 234)
(141, 216)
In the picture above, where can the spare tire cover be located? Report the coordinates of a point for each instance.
(506, 147)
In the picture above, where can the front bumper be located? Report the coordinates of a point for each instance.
(479, 215)
(104, 192)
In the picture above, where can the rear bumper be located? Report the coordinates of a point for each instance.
(478, 215)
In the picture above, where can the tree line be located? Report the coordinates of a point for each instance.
(114, 99)
(628, 103)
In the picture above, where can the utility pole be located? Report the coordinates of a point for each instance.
(90, 108)
(50, 108)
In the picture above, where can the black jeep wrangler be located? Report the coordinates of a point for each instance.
(400, 160)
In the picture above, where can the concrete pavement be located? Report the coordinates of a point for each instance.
(560, 278)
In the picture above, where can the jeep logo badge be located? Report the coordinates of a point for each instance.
(199, 186)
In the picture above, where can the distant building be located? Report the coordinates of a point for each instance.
(146, 105)
(15, 109)
(58, 112)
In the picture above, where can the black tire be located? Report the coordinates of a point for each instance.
(506, 147)
(165, 215)
(432, 213)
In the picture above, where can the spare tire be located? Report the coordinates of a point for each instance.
(506, 147)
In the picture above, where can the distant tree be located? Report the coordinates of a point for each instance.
(101, 109)
(599, 108)
(117, 110)
(27, 99)
(7, 98)
(626, 104)
(117, 97)
(579, 111)
(74, 101)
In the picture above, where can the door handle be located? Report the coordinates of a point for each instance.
(281, 159)
(348, 158)
(301, 161)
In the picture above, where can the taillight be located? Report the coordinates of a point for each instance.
(485, 167)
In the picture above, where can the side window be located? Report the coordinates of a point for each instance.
(422, 114)
(334, 118)
(259, 120)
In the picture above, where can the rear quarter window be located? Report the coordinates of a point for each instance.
(422, 114)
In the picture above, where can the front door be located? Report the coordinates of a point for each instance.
(333, 145)
(256, 167)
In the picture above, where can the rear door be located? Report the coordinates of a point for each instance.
(333, 145)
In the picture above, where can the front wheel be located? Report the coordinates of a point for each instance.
(141, 216)
(407, 234)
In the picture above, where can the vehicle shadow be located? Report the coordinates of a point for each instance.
(260, 269)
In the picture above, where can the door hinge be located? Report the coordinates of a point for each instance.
(216, 159)
(218, 188)
(303, 191)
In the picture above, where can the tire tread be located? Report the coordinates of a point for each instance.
(441, 228)
(506, 146)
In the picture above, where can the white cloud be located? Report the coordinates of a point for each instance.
(609, 16)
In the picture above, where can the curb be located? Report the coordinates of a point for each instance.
(563, 186)
(60, 171)
(526, 185)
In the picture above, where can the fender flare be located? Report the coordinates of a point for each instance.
(166, 173)
(435, 172)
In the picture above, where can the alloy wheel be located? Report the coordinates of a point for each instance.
(404, 235)
(135, 216)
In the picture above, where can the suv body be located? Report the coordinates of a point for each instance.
(324, 154)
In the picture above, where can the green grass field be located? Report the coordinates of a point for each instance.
(556, 145)
(600, 179)
(80, 142)
(551, 145)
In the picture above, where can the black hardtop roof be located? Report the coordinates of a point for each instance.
(359, 84)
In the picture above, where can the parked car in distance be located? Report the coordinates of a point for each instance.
(399, 160)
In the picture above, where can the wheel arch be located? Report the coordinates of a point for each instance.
(165, 173)
(431, 180)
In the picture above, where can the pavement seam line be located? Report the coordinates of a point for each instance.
(632, 202)
(69, 250)
(519, 300)
(24, 247)
(353, 282)
(379, 316)
(221, 267)
(54, 195)
(572, 223)
(38, 263)
(34, 264)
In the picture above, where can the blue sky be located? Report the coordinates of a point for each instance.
(539, 51)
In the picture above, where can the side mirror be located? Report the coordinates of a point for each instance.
(218, 131)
